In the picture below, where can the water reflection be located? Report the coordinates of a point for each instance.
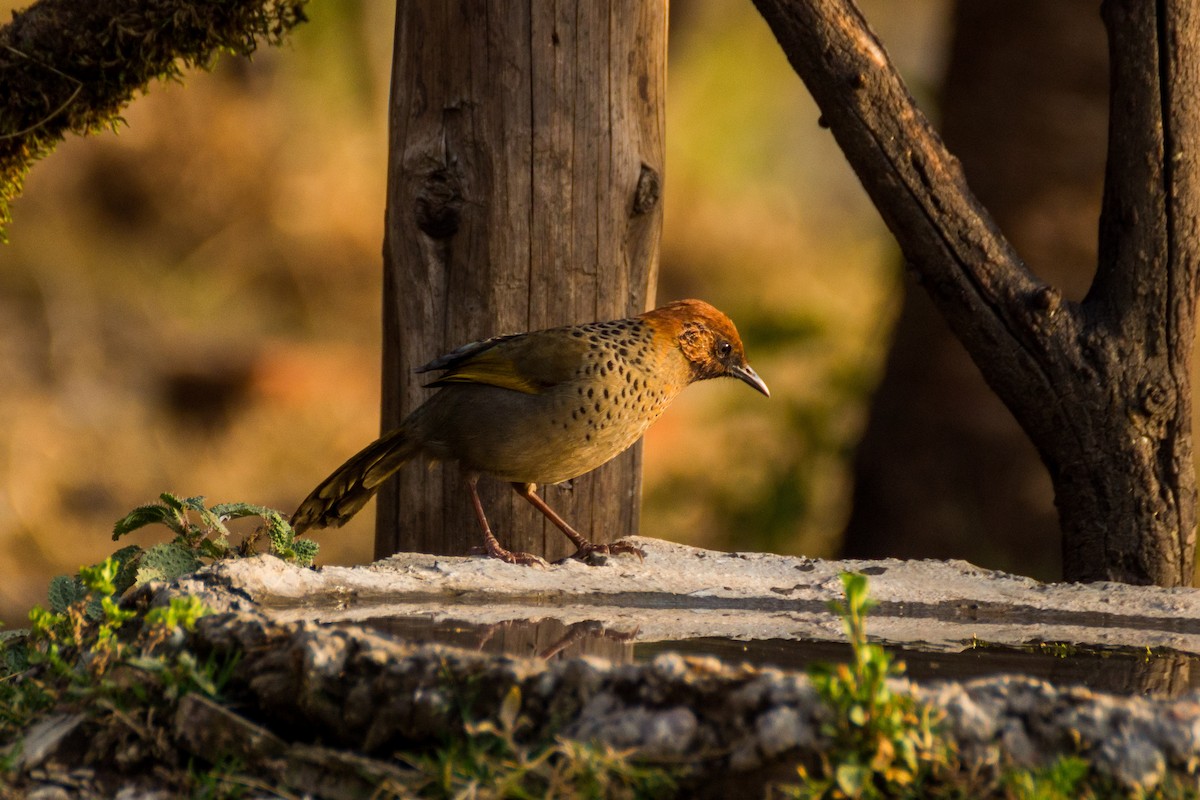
(544, 639)
(1116, 671)
(1119, 671)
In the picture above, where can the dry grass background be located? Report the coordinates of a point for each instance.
(193, 305)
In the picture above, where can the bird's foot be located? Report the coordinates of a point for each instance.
(594, 554)
(515, 556)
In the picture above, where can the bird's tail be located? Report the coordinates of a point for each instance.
(343, 494)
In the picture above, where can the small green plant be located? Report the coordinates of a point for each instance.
(884, 743)
(96, 588)
(86, 647)
(490, 760)
(206, 536)
(1064, 779)
(80, 644)
(85, 644)
(83, 617)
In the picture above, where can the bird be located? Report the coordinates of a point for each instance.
(542, 407)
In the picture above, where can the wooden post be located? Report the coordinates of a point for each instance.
(526, 160)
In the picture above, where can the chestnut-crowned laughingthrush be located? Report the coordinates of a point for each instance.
(543, 407)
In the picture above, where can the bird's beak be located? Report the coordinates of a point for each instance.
(747, 374)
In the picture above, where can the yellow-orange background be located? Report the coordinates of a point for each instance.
(192, 305)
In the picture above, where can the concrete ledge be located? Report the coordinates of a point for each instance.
(682, 592)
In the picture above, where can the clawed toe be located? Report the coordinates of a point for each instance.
(590, 553)
(627, 547)
(524, 559)
(494, 550)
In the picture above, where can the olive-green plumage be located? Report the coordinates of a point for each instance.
(543, 407)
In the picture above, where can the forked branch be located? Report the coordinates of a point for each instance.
(1102, 387)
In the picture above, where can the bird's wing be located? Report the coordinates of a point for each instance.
(465, 353)
(523, 362)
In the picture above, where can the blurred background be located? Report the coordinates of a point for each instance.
(192, 305)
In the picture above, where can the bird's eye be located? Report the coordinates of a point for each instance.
(724, 348)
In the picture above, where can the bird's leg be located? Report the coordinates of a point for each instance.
(490, 542)
(529, 492)
(590, 629)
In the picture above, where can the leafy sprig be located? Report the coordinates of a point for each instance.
(200, 532)
(885, 743)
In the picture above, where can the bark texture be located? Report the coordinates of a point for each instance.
(1102, 386)
(526, 146)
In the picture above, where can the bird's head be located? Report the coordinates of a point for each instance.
(707, 339)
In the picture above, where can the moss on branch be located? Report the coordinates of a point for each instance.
(68, 66)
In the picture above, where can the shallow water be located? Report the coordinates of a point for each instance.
(1119, 671)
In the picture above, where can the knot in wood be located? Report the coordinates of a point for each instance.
(1155, 398)
(1047, 299)
(1094, 349)
(647, 192)
(438, 207)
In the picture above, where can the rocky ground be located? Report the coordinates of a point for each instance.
(322, 704)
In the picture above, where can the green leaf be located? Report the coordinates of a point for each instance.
(852, 779)
(165, 562)
(1068, 772)
(214, 548)
(14, 652)
(510, 707)
(143, 516)
(906, 751)
(94, 609)
(194, 503)
(171, 501)
(181, 612)
(284, 543)
(304, 552)
(238, 510)
(100, 578)
(47, 625)
(280, 533)
(127, 559)
(213, 522)
(64, 592)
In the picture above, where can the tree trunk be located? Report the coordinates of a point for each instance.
(1102, 387)
(943, 470)
(1126, 485)
(526, 145)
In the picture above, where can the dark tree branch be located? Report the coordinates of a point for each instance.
(69, 66)
(1102, 388)
(1000, 310)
